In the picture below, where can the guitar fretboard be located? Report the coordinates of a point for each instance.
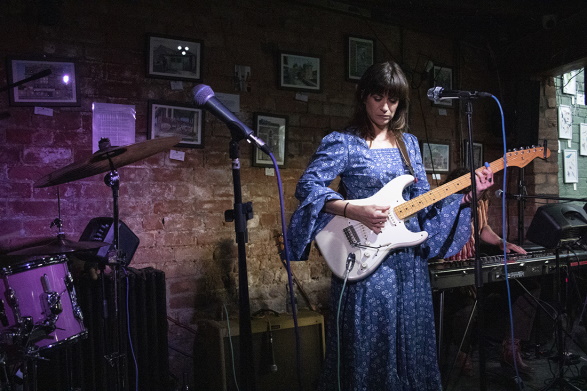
(515, 159)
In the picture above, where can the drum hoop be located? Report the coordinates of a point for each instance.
(34, 264)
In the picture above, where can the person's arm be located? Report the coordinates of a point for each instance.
(490, 237)
(372, 216)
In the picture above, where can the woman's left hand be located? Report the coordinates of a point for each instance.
(483, 180)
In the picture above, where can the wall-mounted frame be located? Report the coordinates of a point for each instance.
(174, 58)
(272, 129)
(174, 119)
(583, 139)
(570, 82)
(477, 154)
(436, 157)
(360, 55)
(299, 72)
(52, 83)
(441, 76)
(565, 122)
(571, 166)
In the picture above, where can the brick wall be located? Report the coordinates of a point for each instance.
(177, 207)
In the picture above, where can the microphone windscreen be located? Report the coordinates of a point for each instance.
(202, 93)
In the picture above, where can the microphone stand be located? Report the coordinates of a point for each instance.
(240, 214)
(468, 108)
(521, 206)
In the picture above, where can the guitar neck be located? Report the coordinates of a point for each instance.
(517, 158)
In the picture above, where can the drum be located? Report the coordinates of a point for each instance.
(38, 304)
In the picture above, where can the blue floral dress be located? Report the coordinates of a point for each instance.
(387, 332)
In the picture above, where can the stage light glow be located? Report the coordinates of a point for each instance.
(65, 79)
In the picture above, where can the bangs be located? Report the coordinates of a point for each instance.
(394, 86)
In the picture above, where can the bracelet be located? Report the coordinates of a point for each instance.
(344, 210)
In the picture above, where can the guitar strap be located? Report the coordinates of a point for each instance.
(404, 153)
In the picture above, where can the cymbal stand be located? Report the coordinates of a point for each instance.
(115, 357)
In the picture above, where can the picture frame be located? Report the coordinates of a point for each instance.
(272, 129)
(569, 82)
(477, 154)
(565, 122)
(360, 55)
(174, 58)
(442, 76)
(299, 72)
(436, 157)
(175, 119)
(42, 82)
(583, 139)
(570, 165)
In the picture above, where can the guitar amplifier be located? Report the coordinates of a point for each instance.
(216, 352)
(101, 229)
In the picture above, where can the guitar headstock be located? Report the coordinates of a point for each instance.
(523, 156)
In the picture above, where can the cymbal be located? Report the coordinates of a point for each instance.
(99, 162)
(60, 245)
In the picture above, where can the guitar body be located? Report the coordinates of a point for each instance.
(343, 236)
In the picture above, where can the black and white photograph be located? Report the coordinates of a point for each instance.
(436, 157)
(50, 83)
(174, 58)
(360, 56)
(272, 130)
(477, 154)
(299, 72)
(172, 119)
(442, 77)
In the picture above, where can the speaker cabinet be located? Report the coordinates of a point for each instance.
(556, 224)
(216, 352)
(101, 229)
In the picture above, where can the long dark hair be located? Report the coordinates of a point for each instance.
(385, 78)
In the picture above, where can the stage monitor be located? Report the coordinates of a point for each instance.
(555, 225)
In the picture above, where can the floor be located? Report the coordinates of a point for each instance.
(542, 358)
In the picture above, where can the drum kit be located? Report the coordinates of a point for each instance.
(38, 305)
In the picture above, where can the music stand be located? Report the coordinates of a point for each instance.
(554, 226)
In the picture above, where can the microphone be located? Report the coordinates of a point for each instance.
(439, 93)
(204, 97)
(508, 196)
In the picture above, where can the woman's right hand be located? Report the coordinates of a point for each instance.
(373, 217)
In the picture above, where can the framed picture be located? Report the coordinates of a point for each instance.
(570, 82)
(570, 166)
(436, 157)
(299, 72)
(173, 119)
(174, 58)
(477, 154)
(565, 122)
(442, 77)
(583, 139)
(360, 56)
(272, 129)
(42, 83)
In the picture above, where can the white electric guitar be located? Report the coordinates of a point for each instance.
(348, 244)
